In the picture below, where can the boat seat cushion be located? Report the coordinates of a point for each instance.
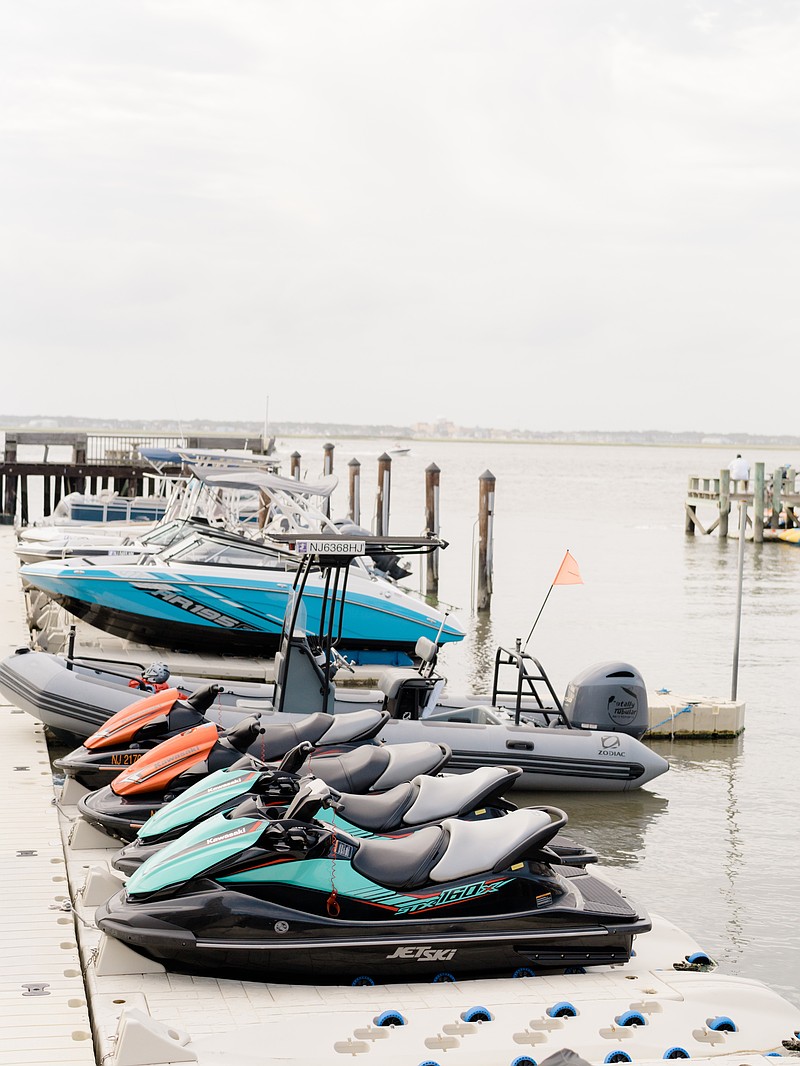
(392, 678)
(454, 794)
(399, 862)
(479, 847)
(377, 812)
(408, 760)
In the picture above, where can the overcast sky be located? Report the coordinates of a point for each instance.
(576, 214)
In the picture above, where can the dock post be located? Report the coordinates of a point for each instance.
(777, 489)
(789, 488)
(354, 511)
(485, 538)
(758, 503)
(432, 526)
(724, 501)
(383, 494)
(10, 499)
(691, 511)
(327, 458)
(23, 499)
(327, 468)
(294, 468)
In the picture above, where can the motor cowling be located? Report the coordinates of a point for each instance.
(608, 696)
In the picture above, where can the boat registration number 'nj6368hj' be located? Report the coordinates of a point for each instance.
(330, 547)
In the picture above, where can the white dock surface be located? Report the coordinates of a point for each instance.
(44, 1016)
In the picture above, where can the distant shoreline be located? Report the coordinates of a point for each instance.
(393, 434)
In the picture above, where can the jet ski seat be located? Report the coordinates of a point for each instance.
(427, 799)
(455, 849)
(478, 847)
(400, 862)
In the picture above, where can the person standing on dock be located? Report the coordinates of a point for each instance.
(740, 471)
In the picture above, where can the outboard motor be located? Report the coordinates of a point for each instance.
(608, 696)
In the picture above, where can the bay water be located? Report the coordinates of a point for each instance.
(712, 844)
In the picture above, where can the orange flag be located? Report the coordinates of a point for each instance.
(568, 572)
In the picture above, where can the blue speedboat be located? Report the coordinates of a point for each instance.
(217, 591)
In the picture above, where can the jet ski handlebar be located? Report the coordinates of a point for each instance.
(296, 756)
(243, 734)
(310, 798)
(202, 699)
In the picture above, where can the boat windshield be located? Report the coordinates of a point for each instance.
(163, 533)
(296, 603)
(207, 551)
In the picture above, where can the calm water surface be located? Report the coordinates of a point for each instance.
(711, 845)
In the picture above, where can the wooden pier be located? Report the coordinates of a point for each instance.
(112, 463)
(96, 462)
(770, 502)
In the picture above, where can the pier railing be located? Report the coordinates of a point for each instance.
(91, 462)
(771, 501)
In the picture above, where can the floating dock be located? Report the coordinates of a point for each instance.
(696, 717)
(71, 995)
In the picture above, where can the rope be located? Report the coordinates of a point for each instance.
(332, 903)
(673, 716)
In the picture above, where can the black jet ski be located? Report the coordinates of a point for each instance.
(165, 772)
(299, 901)
(249, 789)
(128, 734)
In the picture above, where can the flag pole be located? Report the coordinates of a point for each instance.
(567, 574)
(538, 616)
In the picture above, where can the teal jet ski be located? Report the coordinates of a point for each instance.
(251, 789)
(297, 900)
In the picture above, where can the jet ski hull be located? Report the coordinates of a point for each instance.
(209, 930)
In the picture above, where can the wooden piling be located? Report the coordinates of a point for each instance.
(758, 503)
(383, 494)
(486, 492)
(294, 467)
(10, 500)
(691, 512)
(777, 493)
(790, 481)
(327, 468)
(354, 508)
(724, 501)
(432, 526)
(327, 458)
(23, 500)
